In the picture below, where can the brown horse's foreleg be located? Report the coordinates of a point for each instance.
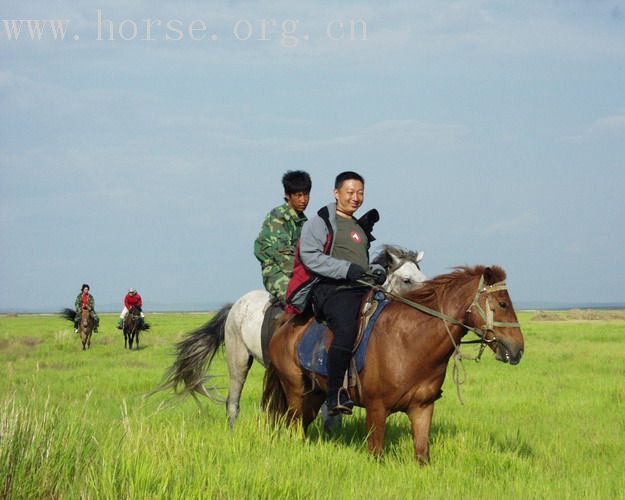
(421, 419)
(376, 427)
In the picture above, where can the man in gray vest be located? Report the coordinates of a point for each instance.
(334, 247)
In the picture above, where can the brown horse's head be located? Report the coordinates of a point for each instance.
(84, 318)
(492, 312)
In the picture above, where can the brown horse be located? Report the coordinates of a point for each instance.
(407, 356)
(85, 327)
(132, 327)
(87, 323)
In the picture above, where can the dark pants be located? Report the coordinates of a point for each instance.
(339, 307)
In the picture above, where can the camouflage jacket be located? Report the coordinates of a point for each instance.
(78, 303)
(275, 247)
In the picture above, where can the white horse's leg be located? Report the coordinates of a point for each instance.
(239, 364)
(242, 342)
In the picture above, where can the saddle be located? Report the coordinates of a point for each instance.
(272, 320)
(313, 349)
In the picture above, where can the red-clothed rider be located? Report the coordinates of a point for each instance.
(132, 298)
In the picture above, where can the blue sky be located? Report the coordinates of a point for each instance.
(488, 132)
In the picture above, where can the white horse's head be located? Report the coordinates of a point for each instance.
(402, 268)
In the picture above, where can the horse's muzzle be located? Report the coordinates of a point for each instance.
(508, 352)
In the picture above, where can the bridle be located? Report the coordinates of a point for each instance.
(488, 315)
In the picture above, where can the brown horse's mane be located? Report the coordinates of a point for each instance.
(433, 291)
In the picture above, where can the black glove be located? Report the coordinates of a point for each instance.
(379, 275)
(355, 272)
(369, 219)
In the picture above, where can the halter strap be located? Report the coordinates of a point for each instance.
(487, 316)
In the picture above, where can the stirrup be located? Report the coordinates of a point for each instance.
(343, 405)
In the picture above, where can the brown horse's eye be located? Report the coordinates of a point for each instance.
(503, 305)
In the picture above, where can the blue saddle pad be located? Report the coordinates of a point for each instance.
(312, 352)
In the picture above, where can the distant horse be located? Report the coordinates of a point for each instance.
(407, 355)
(238, 326)
(133, 324)
(86, 326)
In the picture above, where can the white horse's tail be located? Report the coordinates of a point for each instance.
(194, 356)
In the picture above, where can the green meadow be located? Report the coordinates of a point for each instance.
(77, 424)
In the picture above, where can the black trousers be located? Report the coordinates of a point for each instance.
(339, 307)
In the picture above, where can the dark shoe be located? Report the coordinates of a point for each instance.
(341, 404)
(120, 324)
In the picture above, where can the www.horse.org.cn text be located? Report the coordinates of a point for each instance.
(289, 33)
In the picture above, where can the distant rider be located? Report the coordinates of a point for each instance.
(132, 298)
(85, 300)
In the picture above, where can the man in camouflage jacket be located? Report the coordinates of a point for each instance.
(275, 245)
(85, 300)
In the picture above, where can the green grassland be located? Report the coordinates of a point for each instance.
(77, 424)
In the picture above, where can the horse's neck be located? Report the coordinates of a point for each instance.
(455, 302)
(459, 299)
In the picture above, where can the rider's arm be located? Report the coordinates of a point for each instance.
(273, 244)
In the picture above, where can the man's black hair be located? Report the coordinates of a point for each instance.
(296, 181)
(346, 176)
(84, 285)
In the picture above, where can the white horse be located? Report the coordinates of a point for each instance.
(238, 327)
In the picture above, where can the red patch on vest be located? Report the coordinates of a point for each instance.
(355, 236)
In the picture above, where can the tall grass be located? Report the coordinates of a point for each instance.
(76, 424)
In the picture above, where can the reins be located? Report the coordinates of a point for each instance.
(487, 317)
(489, 325)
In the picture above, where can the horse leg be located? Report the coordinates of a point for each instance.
(421, 419)
(311, 404)
(376, 427)
(295, 401)
(239, 364)
(137, 341)
(239, 361)
(330, 422)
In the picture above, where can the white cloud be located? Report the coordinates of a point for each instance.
(381, 134)
(604, 127)
(524, 221)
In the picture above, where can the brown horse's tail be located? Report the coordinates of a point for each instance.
(194, 356)
(274, 398)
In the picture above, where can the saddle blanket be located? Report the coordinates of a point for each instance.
(313, 348)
